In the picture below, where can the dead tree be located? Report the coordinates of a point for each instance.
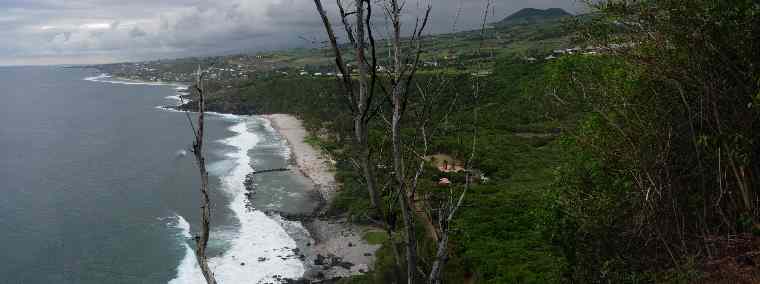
(402, 75)
(454, 201)
(406, 61)
(404, 68)
(201, 241)
(360, 98)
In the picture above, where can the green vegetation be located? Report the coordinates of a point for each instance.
(666, 148)
(499, 234)
(628, 166)
(375, 237)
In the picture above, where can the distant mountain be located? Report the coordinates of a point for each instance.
(532, 16)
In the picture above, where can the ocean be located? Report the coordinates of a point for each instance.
(97, 185)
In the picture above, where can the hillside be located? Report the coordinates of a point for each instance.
(458, 52)
(532, 16)
(600, 167)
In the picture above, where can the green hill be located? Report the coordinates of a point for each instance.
(532, 16)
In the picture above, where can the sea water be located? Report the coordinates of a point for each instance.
(98, 186)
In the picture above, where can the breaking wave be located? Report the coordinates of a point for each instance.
(260, 250)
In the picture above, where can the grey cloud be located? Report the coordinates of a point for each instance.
(147, 29)
(137, 32)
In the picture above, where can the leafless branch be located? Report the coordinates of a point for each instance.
(202, 240)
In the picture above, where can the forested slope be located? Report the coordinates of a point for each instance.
(635, 164)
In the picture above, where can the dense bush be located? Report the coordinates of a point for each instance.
(667, 146)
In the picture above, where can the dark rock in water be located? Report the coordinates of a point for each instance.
(334, 260)
(262, 259)
(345, 264)
(745, 260)
(242, 264)
(249, 185)
(320, 260)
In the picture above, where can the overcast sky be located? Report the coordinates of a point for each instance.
(38, 32)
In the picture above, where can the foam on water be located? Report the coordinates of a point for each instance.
(258, 236)
(174, 98)
(283, 146)
(105, 78)
(188, 262)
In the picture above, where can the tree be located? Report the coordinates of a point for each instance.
(405, 60)
(201, 241)
(360, 99)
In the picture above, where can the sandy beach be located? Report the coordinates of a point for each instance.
(334, 247)
(310, 161)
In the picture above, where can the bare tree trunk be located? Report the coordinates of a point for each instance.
(361, 117)
(202, 240)
(359, 101)
(361, 105)
(441, 256)
(411, 238)
(401, 78)
(362, 137)
(405, 198)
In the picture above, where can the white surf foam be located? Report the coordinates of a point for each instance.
(177, 98)
(188, 262)
(174, 98)
(105, 78)
(258, 235)
(285, 150)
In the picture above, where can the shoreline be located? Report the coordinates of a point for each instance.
(257, 252)
(333, 247)
(329, 247)
(310, 161)
(105, 77)
(262, 248)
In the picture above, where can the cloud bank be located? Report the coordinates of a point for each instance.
(97, 31)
